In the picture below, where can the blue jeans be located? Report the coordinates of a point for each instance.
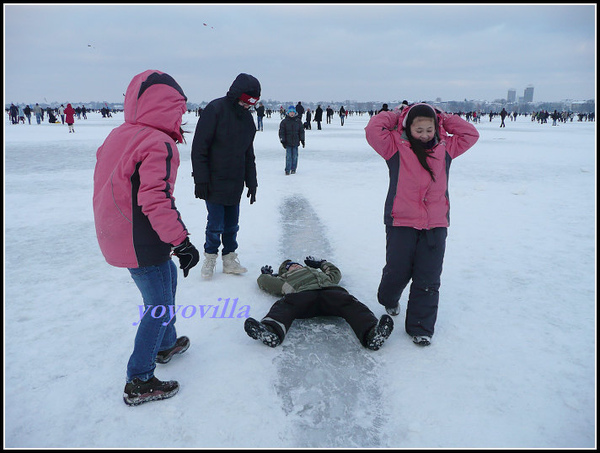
(260, 122)
(156, 331)
(222, 226)
(291, 158)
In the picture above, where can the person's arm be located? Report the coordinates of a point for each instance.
(250, 174)
(328, 268)
(203, 138)
(157, 174)
(282, 133)
(302, 135)
(379, 133)
(271, 284)
(464, 134)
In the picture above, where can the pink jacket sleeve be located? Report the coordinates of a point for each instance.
(463, 134)
(158, 172)
(380, 133)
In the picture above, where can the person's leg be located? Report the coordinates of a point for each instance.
(397, 272)
(215, 224)
(338, 302)
(292, 306)
(294, 163)
(422, 308)
(288, 159)
(156, 330)
(231, 217)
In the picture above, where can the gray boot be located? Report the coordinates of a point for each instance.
(208, 267)
(231, 264)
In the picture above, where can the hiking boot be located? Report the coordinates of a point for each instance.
(379, 333)
(181, 345)
(422, 340)
(231, 264)
(262, 332)
(209, 265)
(394, 311)
(138, 392)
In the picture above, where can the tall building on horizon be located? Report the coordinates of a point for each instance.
(512, 96)
(528, 95)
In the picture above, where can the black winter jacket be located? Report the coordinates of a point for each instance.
(291, 131)
(319, 114)
(222, 149)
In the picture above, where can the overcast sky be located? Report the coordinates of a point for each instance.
(302, 52)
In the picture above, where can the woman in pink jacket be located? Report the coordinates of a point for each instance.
(70, 117)
(418, 144)
(138, 225)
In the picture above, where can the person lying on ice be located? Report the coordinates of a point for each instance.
(310, 291)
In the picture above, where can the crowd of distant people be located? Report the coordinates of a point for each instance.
(19, 114)
(541, 116)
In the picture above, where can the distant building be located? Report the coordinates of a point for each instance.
(528, 95)
(512, 96)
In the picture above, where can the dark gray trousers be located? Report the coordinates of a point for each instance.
(322, 302)
(415, 255)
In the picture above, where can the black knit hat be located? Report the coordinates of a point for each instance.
(419, 110)
(285, 266)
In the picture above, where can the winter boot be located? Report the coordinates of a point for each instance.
(394, 311)
(137, 391)
(262, 332)
(181, 345)
(379, 333)
(208, 267)
(422, 340)
(231, 264)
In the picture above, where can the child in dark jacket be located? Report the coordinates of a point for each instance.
(310, 291)
(291, 134)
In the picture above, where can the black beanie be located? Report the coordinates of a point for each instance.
(419, 110)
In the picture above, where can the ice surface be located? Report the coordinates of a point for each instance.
(513, 363)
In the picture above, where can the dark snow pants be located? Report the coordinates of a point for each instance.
(415, 255)
(321, 302)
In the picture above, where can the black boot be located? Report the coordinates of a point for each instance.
(138, 392)
(379, 333)
(181, 345)
(262, 332)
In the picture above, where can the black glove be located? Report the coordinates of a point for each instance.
(313, 262)
(201, 191)
(188, 256)
(251, 194)
(302, 144)
(266, 270)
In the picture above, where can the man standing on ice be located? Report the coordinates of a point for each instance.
(222, 162)
(310, 291)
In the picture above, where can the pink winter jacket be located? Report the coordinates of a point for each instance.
(414, 199)
(70, 114)
(137, 222)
